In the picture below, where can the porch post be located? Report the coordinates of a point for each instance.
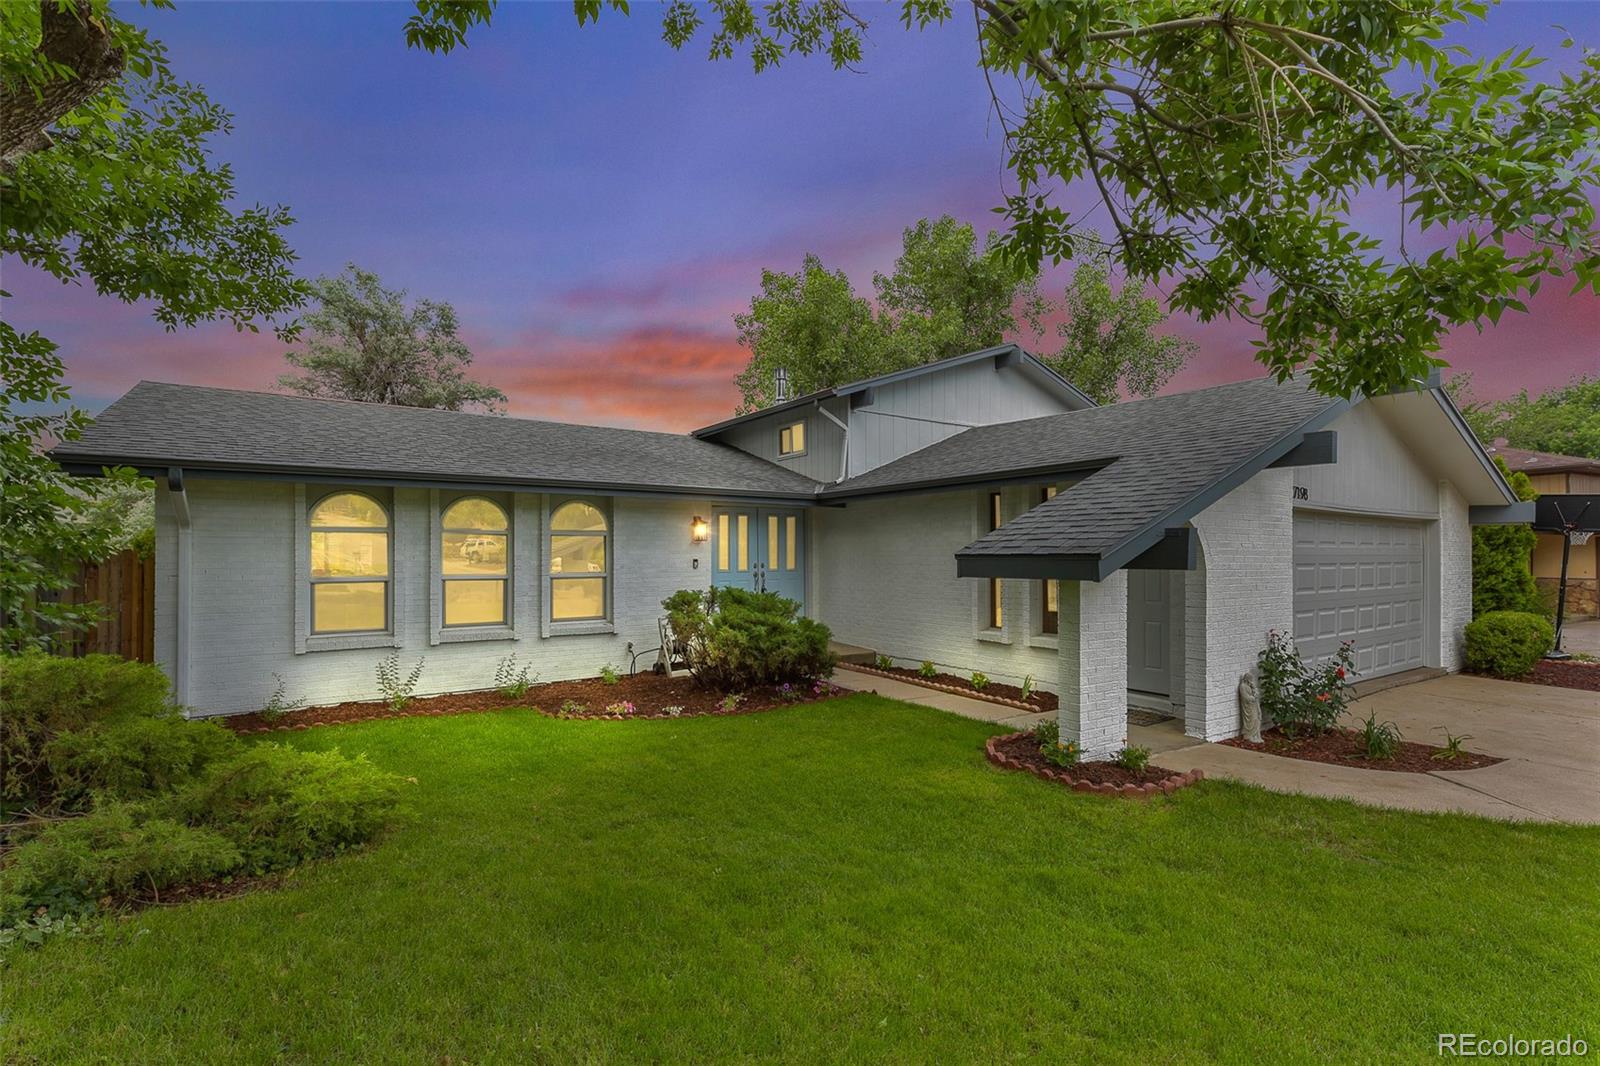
(1093, 648)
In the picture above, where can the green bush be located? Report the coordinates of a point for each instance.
(44, 695)
(737, 639)
(1133, 758)
(1502, 566)
(1507, 643)
(281, 806)
(132, 758)
(1295, 694)
(116, 850)
(1047, 734)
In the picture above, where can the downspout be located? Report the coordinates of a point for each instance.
(844, 448)
(183, 582)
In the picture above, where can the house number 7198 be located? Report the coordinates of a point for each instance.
(1301, 493)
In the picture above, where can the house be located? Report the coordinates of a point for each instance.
(1569, 481)
(979, 512)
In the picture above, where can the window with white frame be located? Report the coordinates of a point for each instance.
(349, 572)
(792, 439)
(580, 562)
(475, 563)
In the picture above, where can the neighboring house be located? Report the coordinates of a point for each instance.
(1574, 480)
(979, 512)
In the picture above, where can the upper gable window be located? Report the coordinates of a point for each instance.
(349, 564)
(792, 439)
(475, 544)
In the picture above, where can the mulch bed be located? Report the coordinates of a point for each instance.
(1019, 751)
(1565, 673)
(1343, 747)
(649, 693)
(994, 691)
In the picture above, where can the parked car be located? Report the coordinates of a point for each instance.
(482, 549)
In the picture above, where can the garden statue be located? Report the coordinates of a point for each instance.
(1250, 707)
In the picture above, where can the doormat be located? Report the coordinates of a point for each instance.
(1139, 716)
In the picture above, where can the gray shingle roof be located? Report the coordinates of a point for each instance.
(159, 425)
(1147, 460)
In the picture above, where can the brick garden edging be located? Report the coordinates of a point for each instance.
(1064, 775)
(971, 692)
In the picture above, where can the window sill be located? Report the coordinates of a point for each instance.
(578, 629)
(469, 634)
(350, 642)
(994, 636)
(1052, 641)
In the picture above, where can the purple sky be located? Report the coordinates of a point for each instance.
(597, 206)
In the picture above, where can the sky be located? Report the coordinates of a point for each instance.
(597, 206)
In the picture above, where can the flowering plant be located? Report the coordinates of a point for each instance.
(623, 707)
(1295, 693)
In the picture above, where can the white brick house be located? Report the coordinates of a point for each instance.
(979, 512)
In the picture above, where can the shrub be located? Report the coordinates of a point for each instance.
(1047, 734)
(731, 701)
(1295, 694)
(1502, 566)
(43, 695)
(883, 662)
(1507, 643)
(570, 707)
(1381, 740)
(980, 681)
(1133, 758)
(511, 681)
(116, 850)
(132, 758)
(928, 670)
(397, 690)
(280, 806)
(279, 704)
(609, 675)
(736, 639)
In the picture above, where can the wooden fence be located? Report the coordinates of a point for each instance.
(125, 586)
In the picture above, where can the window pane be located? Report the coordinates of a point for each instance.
(1051, 596)
(349, 509)
(785, 441)
(799, 436)
(722, 542)
(474, 553)
(744, 542)
(580, 554)
(996, 617)
(349, 554)
(583, 597)
(791, 525)
(343, 607)
(994, 511)
(474, 603)
(474, 513)
(772, 542)
(578, 515)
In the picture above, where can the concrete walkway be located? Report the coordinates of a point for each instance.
(1549, 737)
(1581, 637)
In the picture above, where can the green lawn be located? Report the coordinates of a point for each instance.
(847, 880)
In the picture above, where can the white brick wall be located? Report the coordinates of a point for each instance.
(885, 578)
(1094, 665)
(243, 626)
(1242, 588)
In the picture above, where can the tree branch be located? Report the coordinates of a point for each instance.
(71, 37)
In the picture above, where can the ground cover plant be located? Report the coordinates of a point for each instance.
(122, 799)
(847, 880)
(978, 685)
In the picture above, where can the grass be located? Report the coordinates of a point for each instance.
(846, 880)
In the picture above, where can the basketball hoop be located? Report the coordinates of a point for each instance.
(1579, 537)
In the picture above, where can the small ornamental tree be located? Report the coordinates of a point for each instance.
(1502, 571)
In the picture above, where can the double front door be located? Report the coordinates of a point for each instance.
(759, 549)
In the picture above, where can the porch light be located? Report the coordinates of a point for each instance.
(699, 530)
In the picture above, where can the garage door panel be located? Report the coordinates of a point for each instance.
(1359, 579)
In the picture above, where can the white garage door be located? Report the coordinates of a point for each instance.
(1359, 579)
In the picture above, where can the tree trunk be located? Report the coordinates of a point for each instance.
(80, 41)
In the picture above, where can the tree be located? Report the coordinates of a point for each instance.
(1110, 343)
(362, 343)
(1502, 567)
(1563, 420)
(1227, 143)
(105, 176)
(813, 325)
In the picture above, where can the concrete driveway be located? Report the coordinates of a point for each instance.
(1548, 737)
(1581, 638)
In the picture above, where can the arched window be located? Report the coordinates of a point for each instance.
(349, 564)
(579, 562)
(475, 541)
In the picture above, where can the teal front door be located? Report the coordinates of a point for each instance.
(759, 549)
